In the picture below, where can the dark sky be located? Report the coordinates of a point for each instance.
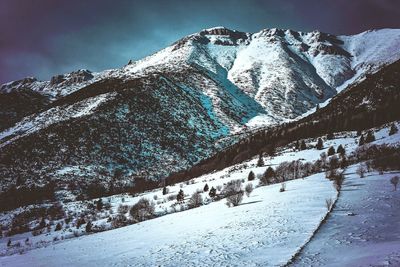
(42, 38)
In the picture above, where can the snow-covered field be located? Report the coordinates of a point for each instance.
(266, 229)
(363, 229)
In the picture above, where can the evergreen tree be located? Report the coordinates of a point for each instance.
(180, 196)
(213, 192)
(320, 144)
(271, 151)
(370, 137)
(89, 227)
(58, 227)
(260, 161)
(343, 161)
(42, 223)
(165, 190)
(393, 129)
(9, 243)
(251, 176)
(361, 141)
(341, 150)
(303, 145)
(296, 145)
(99, 204)
(331, 151)
(205, 189)
(268, 175)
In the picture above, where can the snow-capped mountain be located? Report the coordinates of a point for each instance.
(165, 112)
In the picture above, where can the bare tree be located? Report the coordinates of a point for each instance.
(142, 210)
(248, 189)
(283, 187)
(329, 203)
(196, 200)
(233, 192)
(361, 170)
(395, 181)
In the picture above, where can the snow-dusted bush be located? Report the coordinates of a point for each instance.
(260, 161)
(331, 151)
(171, 197)
(268, 176)
(394, 181)
(283, 187)
(119, 220)
(181, 196)
(142, 210)
(123, 209)
(361, 170)
(251, 176)
(248, 189)
(329, 203)
(196, 200)
(233, 192)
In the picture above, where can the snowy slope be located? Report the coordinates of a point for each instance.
(210, 235)
(363, 228)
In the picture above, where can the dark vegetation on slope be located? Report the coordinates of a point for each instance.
(370, 103)
(17, 104)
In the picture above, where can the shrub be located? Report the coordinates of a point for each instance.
(251, 176)
(341, 150)
(370, 137)
(58, 227)
(233, 192)
(361, 141)
(99, 204)
(283, 187)
(213, 192)
(119, 220)
(361, 170)
(205, 189)
(331, 151)
(329, 203)
(303, 145)
(248, 189)
(142, 210)
(330, 136)
(155, 197)
(394, 181)
(196, 200)
(88, 227)
(320, 144)
(123, 209)
(333, 162)
(181, 196)
(172, 197)
(80, 221)
(393, 129)
(260, 161)
(165, 190)
(268, 176)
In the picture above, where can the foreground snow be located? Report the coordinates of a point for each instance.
(266, 229)
(363, 229)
